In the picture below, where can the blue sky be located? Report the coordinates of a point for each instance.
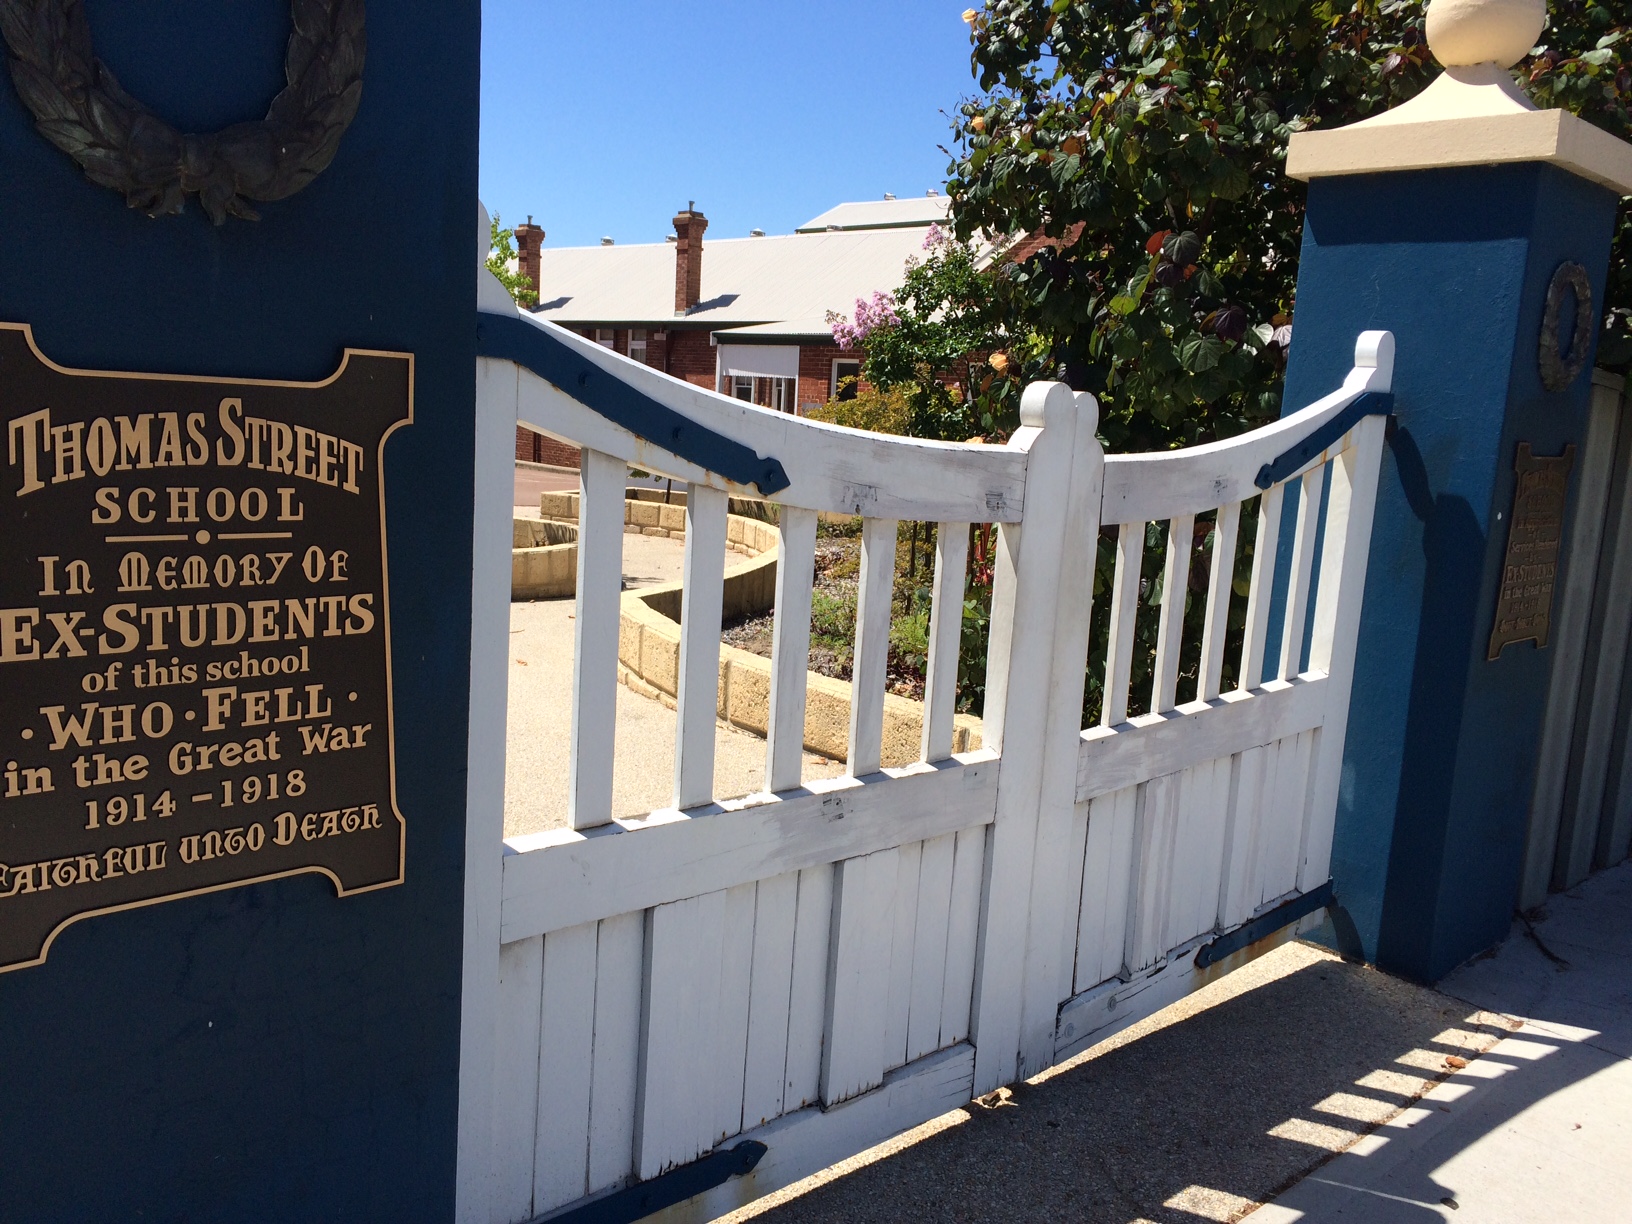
(605, 118)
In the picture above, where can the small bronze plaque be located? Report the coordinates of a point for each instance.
(195, 670)
(1530, 571)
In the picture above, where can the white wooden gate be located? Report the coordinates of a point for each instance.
(819, 967)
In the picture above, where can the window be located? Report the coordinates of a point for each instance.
(767, 392)
(637, 344)
(841, 371)
(606, 336)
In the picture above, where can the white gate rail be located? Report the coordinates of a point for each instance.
(821, 966)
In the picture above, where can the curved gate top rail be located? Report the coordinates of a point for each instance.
(821, 965)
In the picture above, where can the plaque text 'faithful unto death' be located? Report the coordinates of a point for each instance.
(195, 684)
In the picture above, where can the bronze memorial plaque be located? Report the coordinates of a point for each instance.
(195, 673)
(1524, 605)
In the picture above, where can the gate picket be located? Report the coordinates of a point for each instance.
(765, 1068)
(962, 935)
(807, 991)
(853, 1057)
(736, 951)
(1107, 879)
(566, 1043)
(903, 953)
(931, 927)
(614, 1076)
(674, 1119)
(515, 1095)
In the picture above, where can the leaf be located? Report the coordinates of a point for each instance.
(1122, 304)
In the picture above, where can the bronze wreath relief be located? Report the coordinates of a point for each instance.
(81, 108)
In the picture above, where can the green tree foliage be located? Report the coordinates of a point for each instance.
(933, 340)
(502, 251)
(1148, 140)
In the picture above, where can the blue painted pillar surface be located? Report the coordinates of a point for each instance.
(272, 1052)
(1440, 758)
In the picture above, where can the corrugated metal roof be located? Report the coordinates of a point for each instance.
(745, 280)
(881, 214)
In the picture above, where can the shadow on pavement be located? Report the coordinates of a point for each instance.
(1273, 1070)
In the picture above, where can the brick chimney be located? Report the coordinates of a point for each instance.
(688, 258)
(530, 251)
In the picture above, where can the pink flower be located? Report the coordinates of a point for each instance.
(870, 316)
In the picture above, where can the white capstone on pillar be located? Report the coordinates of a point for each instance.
(1473, 114)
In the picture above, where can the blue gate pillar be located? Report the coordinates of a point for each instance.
(243, 1004)
(1476, 229)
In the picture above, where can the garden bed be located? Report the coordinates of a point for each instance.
(833, 609)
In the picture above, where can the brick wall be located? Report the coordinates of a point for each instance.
(692, 357)
(536, 448)
(816, 371)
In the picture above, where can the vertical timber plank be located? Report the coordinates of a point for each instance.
(1130, 552)
(1344, 556)
(858, 975)
(595, 640)
(1285, 844)
(1153, 871)
(1251, 777)
(929, 945)
(1181, 535)
(765, 1069)
(807, 992)
(1106, 886)
(1303, 557)
(903, 951)
(962, 935)
(615, 1076)
(790, 648)
(736, 950)
(1220, 580)
(1258, 598)
(674, 1121)
(1076, 860)
(873, 599)
(515, 1079)
(698, 689)
(566, 1047)
(945, 639)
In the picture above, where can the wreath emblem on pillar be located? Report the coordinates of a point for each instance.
(81, 108)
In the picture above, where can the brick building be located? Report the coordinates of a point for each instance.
(748, 320)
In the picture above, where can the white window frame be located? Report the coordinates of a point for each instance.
(606, 337)
(637, 344)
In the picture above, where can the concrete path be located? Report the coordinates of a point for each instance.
(540, 716)
(1539, 1128)
(1338, 1092)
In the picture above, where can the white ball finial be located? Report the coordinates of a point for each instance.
(1462, 33)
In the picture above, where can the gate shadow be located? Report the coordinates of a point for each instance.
(1274, 1070)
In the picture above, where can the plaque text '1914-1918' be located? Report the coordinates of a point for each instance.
(195, 681)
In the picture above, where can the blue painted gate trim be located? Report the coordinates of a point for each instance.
(676, 1186)
(512, 338)
(1370, 403)
(1265, 924)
